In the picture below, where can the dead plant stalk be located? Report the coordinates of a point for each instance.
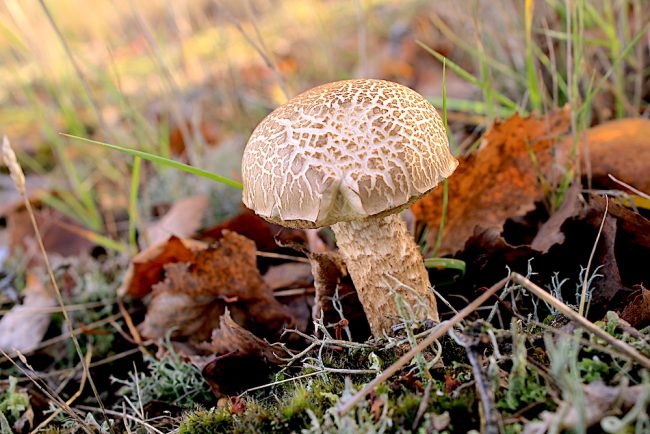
(18, 177)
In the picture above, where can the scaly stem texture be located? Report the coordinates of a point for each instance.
(373, 251)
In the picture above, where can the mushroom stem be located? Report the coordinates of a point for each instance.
(376, 249)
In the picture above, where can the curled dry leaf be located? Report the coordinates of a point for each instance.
(549, 233)
(502, 180)
(24, 326)
(637, 312)
(196, 292)
(231, 337)
(147, 267)
(243, 360)
(182, 220)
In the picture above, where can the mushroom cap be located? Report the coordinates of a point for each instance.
(345, 151)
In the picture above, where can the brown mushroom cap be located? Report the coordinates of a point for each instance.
(345, 151)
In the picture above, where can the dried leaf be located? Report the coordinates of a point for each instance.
(549, 233)
(637, 312)
(10, 198)
(195, 293)
(243, 360)
(499, 182)
(620, 147)
(255, 228)
(289, 275)
(61, 235)
(146, 268)
(182, 220)
(230, 337)
(24, 326)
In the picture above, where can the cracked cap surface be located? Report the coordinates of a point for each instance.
(345, 151)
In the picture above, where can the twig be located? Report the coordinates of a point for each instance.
(574, 316)
(72, 399)
(490, 417)
(585, 283)
(275, 383)
(45, 389)
(80, 408)
(435, 333)
(424, 403)
(281, 256)
(629, 187)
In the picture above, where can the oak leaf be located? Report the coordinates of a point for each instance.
(195, 293)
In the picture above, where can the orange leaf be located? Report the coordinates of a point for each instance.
(500, 181)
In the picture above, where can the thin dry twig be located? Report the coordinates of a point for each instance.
(629, 187)
(44, 388)
(423, 406)
(490, 418)
(435, 334)
(80, 408)
(574, 316)
(70, 400)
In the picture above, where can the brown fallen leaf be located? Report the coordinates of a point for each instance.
(637, 312)
(499, 182)
(619, 259)
(10, 198)
(620, 147)
(243, 360)
(182, 220)
(62, 236)
(146, 268)
(549, 233)
(195, 293)
(24, 326)
(230, 337)
(289, 275)
(250, 225)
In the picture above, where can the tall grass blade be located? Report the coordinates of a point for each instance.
(163, 161)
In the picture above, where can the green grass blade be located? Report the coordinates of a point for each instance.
(533, 83)
(163, 161)
(507, 102)
(134, 216)
(445, 263)
(469, 106)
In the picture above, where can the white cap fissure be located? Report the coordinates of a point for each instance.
(344, 151)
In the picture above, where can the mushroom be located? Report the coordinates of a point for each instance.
(351, 155)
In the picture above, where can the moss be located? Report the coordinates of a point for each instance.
(207, 421)
(406, 408)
